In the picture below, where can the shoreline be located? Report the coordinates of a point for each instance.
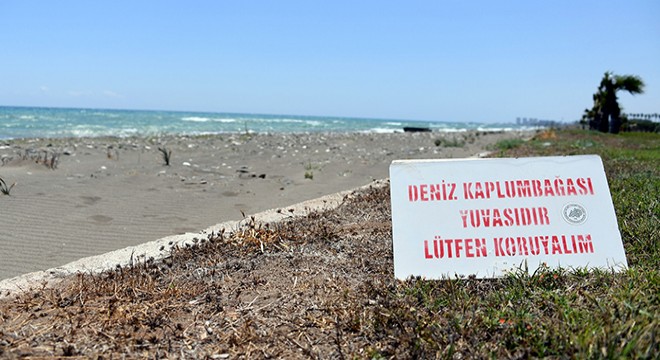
(105, 194)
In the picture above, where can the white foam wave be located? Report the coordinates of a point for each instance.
(285, 120)
(314, 123)
(450, 130)
(106, 114)
(196, 119)
(129, 131)
(205, 119)
(82, 133)
(382, 130)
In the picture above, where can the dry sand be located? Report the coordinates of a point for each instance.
(104, 194)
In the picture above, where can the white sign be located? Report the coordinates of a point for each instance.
(485, 217)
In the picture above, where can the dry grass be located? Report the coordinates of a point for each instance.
(234, 294)
(48, 156)
(322, 286)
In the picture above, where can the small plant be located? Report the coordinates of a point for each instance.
(454, 142)
(309, 171)
(112, 153)
(53, 161)
(507, 144)
(48, 157)
(4, 189)
(246, 135)
(167, 155)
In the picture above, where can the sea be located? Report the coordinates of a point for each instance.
(41, 122)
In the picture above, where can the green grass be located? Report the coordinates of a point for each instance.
(507, 144)
(309, 170)
(553, 313)
(453, 142)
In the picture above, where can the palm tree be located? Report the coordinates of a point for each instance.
(606, 114)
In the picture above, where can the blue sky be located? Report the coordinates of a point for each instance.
(485, 61)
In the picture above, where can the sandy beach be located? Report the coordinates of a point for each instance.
(104, 194)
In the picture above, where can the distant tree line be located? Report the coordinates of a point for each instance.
(641, 125)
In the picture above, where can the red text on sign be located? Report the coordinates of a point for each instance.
(543, 245)
(454, 248)
(505, 217)
(432, 192)
(528, 188)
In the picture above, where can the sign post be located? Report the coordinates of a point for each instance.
(485, 217)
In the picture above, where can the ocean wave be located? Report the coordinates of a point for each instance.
(81, 133)
(449, 130)
(196, 119)
(50, 122)
(104, 114)
(381, 130)
(206, 119)
(129, 131)
(283, 120)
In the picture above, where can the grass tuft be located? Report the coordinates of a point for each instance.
(4, 188)
(309, 170)
(167, 155)
(453, 142)
(507, 144)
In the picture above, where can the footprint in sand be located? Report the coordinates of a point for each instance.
(90, 200)
(101, 219)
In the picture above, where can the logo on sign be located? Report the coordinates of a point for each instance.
(574, 214)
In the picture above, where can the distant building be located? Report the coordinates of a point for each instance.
(536, 122)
